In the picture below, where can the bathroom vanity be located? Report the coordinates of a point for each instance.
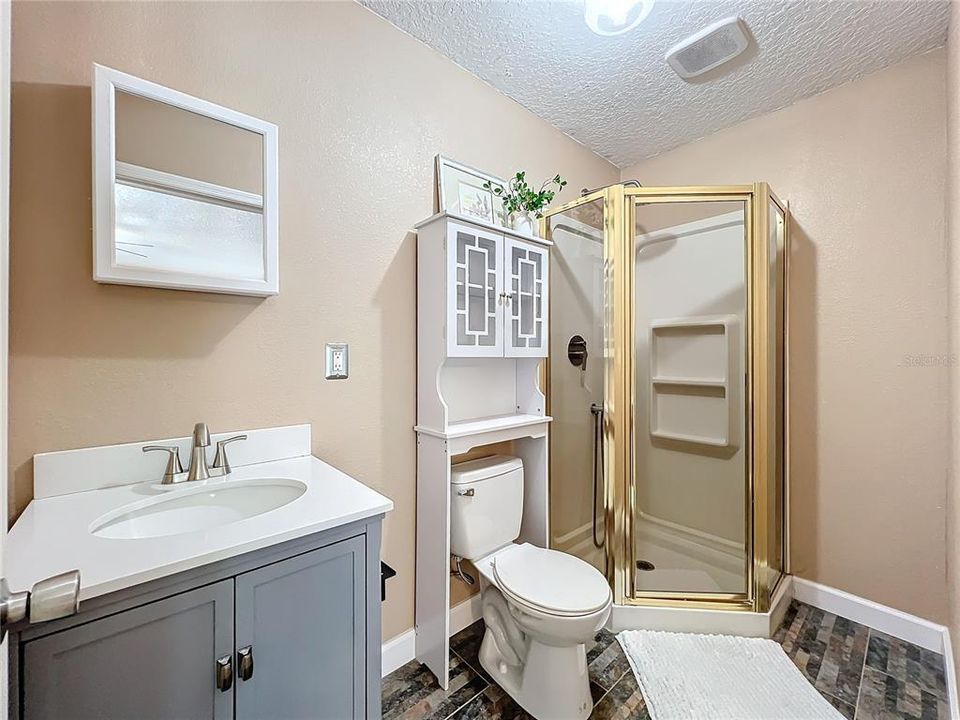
(276, 614)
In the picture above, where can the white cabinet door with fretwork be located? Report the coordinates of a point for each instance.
(526, 288)
(475, 285)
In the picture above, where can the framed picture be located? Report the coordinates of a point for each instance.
(461, 192)
(475, 201)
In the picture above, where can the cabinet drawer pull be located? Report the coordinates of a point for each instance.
(224, 673)
(245, 662)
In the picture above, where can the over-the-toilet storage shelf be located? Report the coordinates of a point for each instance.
(482, 332)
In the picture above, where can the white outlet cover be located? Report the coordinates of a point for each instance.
(337, 361)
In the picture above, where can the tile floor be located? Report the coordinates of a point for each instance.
(865, 674)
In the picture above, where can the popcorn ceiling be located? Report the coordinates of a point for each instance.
(617, 96)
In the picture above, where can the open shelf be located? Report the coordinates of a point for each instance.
(485, 425)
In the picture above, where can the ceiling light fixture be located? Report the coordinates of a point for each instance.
(615, 17)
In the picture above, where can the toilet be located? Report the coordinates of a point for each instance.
(540, 606)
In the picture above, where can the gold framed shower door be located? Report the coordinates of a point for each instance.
(764, 388)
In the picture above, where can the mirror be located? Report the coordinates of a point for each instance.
(185, 191)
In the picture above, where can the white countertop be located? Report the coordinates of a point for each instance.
(53, 534)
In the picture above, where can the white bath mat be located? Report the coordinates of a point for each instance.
(719, 677)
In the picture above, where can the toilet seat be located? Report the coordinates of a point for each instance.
(550, 581)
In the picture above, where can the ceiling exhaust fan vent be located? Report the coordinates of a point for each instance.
(709, 48)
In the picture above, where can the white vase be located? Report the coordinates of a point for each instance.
(525, 222)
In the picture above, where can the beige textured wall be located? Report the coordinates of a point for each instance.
(953, 254)
(362, 109)
(864, 168)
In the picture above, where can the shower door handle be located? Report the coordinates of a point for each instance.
(50, 599)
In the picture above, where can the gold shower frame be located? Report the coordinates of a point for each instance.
(763, 444)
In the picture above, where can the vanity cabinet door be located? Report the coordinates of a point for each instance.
(302, 622)
(157, 662)
(474, 287)
(527, 292)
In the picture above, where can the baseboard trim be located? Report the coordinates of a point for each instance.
(886, 619)
(399, 650)
(464, 614)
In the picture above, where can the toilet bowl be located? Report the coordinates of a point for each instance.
(540, 606)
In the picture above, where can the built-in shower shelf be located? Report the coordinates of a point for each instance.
(691, 382)
(694, 380)
(698, 439)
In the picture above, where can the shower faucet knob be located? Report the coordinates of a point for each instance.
(577, 352)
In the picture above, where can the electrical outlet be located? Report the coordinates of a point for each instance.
(338, 361)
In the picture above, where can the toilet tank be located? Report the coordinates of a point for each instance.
(486, 505)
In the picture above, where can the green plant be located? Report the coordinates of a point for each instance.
(519, 196)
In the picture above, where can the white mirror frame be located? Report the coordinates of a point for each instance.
(106, 82)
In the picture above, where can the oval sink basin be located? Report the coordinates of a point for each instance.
(197, 508)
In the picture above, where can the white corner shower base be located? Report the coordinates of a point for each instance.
(685, 559)
(698, 620)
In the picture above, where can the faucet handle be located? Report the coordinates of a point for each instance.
(220, 459)
(201, 435)
(173, 462)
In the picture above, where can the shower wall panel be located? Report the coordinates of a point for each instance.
(690, 271)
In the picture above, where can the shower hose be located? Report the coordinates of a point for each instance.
(597, 412)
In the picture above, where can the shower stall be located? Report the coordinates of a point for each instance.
(665, 381)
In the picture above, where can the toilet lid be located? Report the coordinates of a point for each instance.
(552, 581)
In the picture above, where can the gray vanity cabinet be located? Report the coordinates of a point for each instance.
(151, 663)
(303, 622)
(297, 623)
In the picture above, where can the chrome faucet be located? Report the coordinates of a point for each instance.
(198, 453)
(199, 470)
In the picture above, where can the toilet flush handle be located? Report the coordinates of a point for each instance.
(469, 492)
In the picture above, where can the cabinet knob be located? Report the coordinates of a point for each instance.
(224, 673)
(245, 662)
